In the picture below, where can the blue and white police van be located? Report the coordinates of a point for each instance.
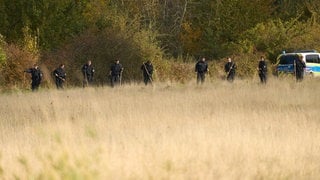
(286, 62)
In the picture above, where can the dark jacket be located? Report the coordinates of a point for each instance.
(201, 67)
(87, 70)
(36, 74)
(147, 69)
(59, 73)
(230, 67)
(262, 67)
(116, 69)
(300, 65)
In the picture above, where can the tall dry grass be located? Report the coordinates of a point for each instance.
(219, 130)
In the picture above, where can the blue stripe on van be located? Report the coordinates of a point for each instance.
(285, 68)
(313, 67)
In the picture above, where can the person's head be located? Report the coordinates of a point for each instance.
(262, 58)
(229, 59)
(62, 66)
(89, 62)
(148, 62)
(300, 57)
(203, 59)
(35, 66)
(117, 61)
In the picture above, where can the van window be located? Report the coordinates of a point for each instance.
(287, 59)
(312, 58)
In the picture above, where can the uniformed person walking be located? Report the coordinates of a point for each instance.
(88, 72)
(230, 69)
(36, 77)
(263, 70)
(300, 65)
(116, 70)
(60, 76)
(147, 71)
(201, 68)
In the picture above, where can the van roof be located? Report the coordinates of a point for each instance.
(300, 53)
(306, 51)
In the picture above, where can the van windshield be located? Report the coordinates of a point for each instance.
(288, 59)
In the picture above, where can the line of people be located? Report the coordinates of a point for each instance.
(201, 68)
(88, 71)
(116, 69)
(37, 75)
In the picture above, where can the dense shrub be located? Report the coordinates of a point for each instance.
(15, 61)
(2, 52)
(103, 48)
(274, 36)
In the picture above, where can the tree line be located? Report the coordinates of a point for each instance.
(164, 31)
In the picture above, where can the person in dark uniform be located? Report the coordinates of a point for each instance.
(300, 65)
(263, 70)
(201, 68)
(36, 77)
(60, 76)
(147, 69)
(230, 69)
(88, 72)
(116, 70)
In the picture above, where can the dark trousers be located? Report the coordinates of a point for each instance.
(263, 77)
(35, 85)
(201, 77)
(87, 81)
(90, 79)
(115, 80)
(230, 76)
(147, 79)
(299, 75)
(59, 83)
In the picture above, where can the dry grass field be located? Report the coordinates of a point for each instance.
(219, 130)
